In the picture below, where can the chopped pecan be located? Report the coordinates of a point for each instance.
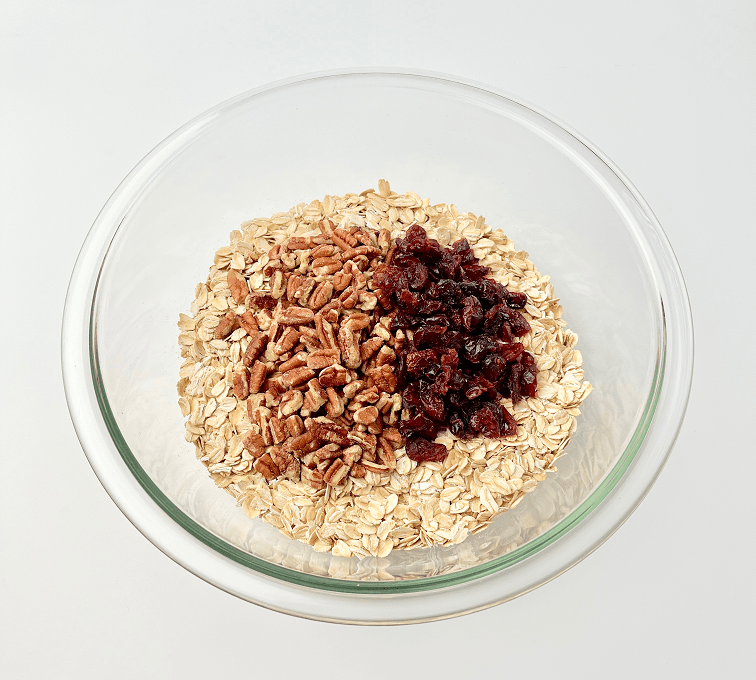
(256, 345)
(299, 442)
(314, 398)
(321, 358)
(365, 415)
(384, 240)
(349, 297)
(371, 466)
(345, 236)
(277, 430)
(367, 442)
(241, 384)
(237, 284)
(248, 322)
(351, 455)
(291, 402)
(297, 376)
(367, 301)
(335, 406)
(327, 452)
(376, 427)
(356, 321)
(321, 295)
(314, 478)
(296, 316)
(300, 243)
(336, 473)
(333, 376)
(254, 402)
(385, 356)
(329, 431)
(358, 470)
(294, 425)
(393, 435)
(288, 339)
(309, 337)
(293, 285)
(350, 348)
(277, 284)
(302, 294)
(228, 324)
(383, 378)
(341, 280)
(352, 388)
(386, 453)
(256, 378)
(325, 250)
(299, 359)
(266, 467)
(370, 347)
(254, 443)
(286, 463)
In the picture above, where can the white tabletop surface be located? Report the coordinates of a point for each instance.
(664, 88)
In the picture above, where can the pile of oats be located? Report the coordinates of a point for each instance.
(416, 504)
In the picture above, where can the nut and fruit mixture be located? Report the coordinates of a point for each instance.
(370, 372)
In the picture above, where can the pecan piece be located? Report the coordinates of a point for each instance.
(294, 425)
(314, 477)
(314, 398)
(325, 250)
(358, 470)
(333, 376)
(350, 348)
(296, 316)
(351, 455)
(335, 406)
(300, 243)
(356, 322)
(266, 467)
(277, 430)
(299, 442)
(352, 388)
(293, 285)
(324, 266)
(291, 402)
(365, 415)
(370, 347)
(287, 341)
(383, 378)
(349, 297)
(299, 359)
(328, 431)
(386, 453)
(277, 284)
(237, 284)
(336, 473)
(254, 443)
(385, 356)
(297, 376)
(228, 324)
(321, 295)
(341, 280)
(241, 384)
(322, 358)
(302, 294)
(255, 348)
(257, 376)
(248, 322)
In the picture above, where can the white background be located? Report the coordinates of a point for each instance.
(665, 89)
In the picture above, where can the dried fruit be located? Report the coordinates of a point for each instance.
(461, 358)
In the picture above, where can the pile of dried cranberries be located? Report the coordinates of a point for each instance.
(459, 357)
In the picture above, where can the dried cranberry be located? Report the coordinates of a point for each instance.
(461, 357)
(433, 336)
(421, 359)
(472, 312)
(420, 449)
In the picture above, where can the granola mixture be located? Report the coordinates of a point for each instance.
(289, 323)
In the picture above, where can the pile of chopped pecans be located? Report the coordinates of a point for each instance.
(318, 341)
(409, 504)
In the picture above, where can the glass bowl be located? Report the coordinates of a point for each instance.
(487, 152)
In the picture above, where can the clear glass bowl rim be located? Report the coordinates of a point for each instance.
(98, 431)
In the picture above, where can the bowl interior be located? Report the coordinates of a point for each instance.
(452, 143)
